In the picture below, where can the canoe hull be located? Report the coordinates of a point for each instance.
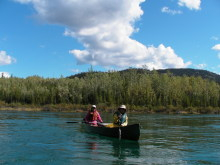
(130, 132)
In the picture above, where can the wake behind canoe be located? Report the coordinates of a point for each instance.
(130, 132)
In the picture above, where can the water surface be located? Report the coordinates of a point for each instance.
(46, 138)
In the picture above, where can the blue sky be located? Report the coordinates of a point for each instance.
(64, 37)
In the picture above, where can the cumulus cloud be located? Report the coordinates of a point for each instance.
(191, 4)
(169, 11)
(5, 59)
(216, 47)
(104, 28)
(75, 70)
(201, 66)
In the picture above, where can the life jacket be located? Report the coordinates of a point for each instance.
(93, 116)
(119, 118)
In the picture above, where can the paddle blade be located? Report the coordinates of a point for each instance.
(73, 122)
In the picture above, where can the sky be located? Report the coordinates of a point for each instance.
(54, 38)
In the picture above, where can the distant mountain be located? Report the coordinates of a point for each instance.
(175, 72)
(83, 74)
(192, 72)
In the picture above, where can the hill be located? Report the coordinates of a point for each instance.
(175, 72)
(192, 72)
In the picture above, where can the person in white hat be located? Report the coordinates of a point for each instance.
(93, 116)
(120, 117)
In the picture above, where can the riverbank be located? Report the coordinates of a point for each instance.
(49, 107)
(112, 108)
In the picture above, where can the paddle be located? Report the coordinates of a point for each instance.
(75, 122)
(119, 129)
(80, 122)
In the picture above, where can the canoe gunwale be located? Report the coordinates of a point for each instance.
(129, 132)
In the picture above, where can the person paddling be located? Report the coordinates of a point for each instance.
(120, 117)
(93, 116)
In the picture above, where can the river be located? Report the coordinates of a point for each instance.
(45, 138)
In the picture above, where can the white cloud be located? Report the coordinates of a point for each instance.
(75, 70)
(162, 57)
(169, 11)
(191, 4)
(216, 47)
(25, 1)
(104, 28)
(5, 59)
(201, 66)
(5, 74)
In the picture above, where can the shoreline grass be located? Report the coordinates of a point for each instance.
(110, 108)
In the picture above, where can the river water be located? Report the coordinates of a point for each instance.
(45, 138)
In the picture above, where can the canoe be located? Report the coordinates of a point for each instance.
(130, 132)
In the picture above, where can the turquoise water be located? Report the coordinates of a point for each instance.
(46, 138)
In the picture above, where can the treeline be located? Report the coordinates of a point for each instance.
(113, 88)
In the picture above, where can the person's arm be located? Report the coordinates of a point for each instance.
(115, 118)
(126, 122)
(99, 117)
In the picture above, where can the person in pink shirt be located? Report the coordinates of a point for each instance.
(93, 116)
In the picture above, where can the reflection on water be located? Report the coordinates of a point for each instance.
(107, 150)
(124, 151)
(123, 148)
(46, 138)
(91, 145)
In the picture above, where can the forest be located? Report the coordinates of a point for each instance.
(140, 91)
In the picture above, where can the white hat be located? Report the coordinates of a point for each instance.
(122, 107)
(93, 106)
